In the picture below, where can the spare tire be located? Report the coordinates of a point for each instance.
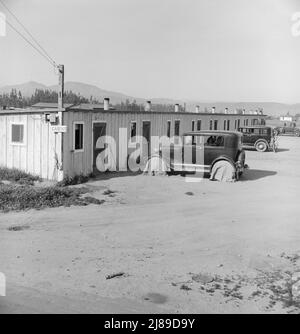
(223, 171)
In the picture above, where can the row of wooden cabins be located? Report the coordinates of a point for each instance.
(31, 141)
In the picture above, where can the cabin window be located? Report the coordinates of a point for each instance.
(78, 136)
(199, 125)
(133, 131)
(169, 129)
(177, 128)
(17, 133)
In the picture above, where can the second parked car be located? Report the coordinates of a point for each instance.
(262, 138)
(286, 130)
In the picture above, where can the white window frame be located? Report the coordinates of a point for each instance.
(74, 127)
(23, 143)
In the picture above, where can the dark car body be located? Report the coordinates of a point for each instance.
(260, 137)
(288, 130)
(199, 151)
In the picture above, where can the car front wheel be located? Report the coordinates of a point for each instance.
(261, 146)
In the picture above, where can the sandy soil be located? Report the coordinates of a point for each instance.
(183, 247)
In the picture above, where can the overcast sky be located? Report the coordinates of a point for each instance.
(233, 50)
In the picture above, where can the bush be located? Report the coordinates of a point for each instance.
(77, 179)
(21, 197)
(15, 175)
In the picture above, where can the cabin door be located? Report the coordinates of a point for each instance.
(147, 139)
(99, 130)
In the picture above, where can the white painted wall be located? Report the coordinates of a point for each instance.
(37, 153)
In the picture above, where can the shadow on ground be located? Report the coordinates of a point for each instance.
(112, 175)
(279, 150)
(256, 174)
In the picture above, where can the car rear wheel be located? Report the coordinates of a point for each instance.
(261, 146)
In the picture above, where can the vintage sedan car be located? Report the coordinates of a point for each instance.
(262, 138)
(288, 130)
(217, 153)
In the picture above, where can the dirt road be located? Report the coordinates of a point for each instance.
(181, 247)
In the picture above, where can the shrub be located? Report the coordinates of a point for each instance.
(21, 197)
(15, 175)
(77, 179)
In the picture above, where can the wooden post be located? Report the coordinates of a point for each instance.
(61, 69)
(59, 136)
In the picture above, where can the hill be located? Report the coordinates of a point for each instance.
(87, 91)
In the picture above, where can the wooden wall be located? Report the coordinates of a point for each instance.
(37, 154)
(81, 162)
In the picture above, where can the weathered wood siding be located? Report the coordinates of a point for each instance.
(36, 155)
(82, 162)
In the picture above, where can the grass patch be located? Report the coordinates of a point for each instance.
(23, 197)
(15, 175)
(77, 179)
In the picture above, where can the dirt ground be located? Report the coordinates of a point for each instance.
(179, 247)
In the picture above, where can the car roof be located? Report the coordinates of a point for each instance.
(212, 132)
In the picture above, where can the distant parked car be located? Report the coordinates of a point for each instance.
(285, 130)
(221, 152)
(262, 138)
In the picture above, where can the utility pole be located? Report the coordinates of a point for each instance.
(60, 135)
(61, 70)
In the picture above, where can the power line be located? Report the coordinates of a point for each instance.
(28, 32)
(39, 51)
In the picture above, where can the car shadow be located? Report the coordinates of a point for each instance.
(256, 174)
(113, 175)
(279, 150)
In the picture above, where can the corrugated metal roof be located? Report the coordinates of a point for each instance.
(47, 105)
(88, 106)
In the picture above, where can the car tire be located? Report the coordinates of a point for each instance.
(261, 146)
(297, 134)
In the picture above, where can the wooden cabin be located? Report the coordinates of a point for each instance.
(30, 139)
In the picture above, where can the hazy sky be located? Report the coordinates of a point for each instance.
(233, 50)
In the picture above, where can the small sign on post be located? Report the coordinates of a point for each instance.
(59, 128)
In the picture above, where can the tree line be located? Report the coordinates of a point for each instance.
(15, 99)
